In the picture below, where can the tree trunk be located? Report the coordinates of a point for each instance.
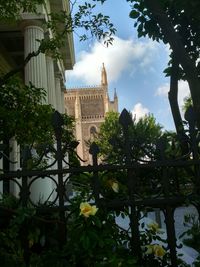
(178, 48)
(173, 100)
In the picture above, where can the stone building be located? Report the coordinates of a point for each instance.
(88, 105)
(17, 41)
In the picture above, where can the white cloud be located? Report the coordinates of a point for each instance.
(163, 90)
(183, 91)
(139, 111)
(122, 56)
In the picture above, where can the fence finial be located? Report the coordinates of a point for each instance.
(94, 149)
(125, 118)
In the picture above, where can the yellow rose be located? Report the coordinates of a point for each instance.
(155, 249)
(153, 226)
(30, 243)
(159, 251)
(87, 209)
(114, 185)
(149, 249)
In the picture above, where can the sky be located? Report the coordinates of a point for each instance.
(134, 67)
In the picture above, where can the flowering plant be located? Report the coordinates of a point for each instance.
(154, 252)
(154, 227)
(94, 239)
(87, 209)
(156, 249)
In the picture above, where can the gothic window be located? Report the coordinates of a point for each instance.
(93, 132)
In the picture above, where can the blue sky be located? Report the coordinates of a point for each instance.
(134, 67)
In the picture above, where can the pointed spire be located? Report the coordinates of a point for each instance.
(104, 81)
(115, 93)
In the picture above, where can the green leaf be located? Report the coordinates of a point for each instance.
(98, 222)
(86, 242)
(134, 14)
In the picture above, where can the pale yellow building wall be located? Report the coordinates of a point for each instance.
(16, 42)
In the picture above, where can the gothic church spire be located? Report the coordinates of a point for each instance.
(104, 81)
(115, 93)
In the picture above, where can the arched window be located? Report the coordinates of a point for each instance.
(93, 132)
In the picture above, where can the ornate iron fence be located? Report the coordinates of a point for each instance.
(151, 183)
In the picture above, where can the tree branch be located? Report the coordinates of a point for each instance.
(173, 100)
(178, 48)
(11, 73)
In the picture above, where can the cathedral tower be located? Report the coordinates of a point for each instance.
(88, 105)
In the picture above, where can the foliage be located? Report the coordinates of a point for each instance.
(84, 245)
(187, 103)
(193, 234)
(92, 236)
(21, 105)
(24, 116)
(92, 240)
(21, 108)
(88, 248)
(184, 20)
(175, 24)
(146, 142)
(60, 24)
(80, 16)
(10, 10)
(154, 246)
(108, 129)
(143, 136)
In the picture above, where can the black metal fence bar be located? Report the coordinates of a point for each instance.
(166, 199)
(166, 202)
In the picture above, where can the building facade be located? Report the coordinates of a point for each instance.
(17, 41)
(88, 105)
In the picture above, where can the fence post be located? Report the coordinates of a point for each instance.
(194, 141)
(168, 210)
(94, 150)
(6, 162)
(125, 120)
(24, 195)
(58, 122)
(190, 117)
